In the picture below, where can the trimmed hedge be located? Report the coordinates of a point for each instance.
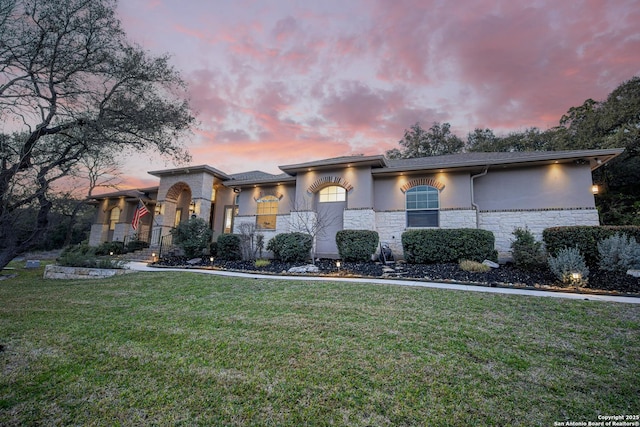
(435, 246)
(585, 237)
(228, 247)
(357, 245)
(291, 247)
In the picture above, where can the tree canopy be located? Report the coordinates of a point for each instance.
(71, 84)
(418, 142)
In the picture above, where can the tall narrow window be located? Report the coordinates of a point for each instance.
(267, 211)
(114, 217)
(229, 213)
(333, 193)
(422, 206)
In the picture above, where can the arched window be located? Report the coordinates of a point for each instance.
(423, 205)
(267, 211)
(333, 193)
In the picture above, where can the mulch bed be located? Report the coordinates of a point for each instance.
(507, 275)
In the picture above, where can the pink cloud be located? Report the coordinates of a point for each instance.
(319, 79)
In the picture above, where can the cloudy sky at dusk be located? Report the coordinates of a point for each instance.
(280, 82)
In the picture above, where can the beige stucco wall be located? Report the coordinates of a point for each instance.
(456, 193)
(248, 198)
(541, 187)
(360, 179)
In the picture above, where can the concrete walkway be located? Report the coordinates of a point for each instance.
(140, 266)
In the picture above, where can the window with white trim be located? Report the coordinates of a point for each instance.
(266, 213)
(423, 206)
(332, 193)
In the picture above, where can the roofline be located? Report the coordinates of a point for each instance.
(376, 160)
(191, 169)
(253, 182)
(124, 193)
(596, 158)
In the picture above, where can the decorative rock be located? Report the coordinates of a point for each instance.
(634, 273)
(194, 261)
(491, 264)
(32, 263)
(309, 268)
(61, 272)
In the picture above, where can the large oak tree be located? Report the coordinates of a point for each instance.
(71, 84)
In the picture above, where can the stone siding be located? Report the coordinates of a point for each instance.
(458, 218)
(359, 219)
(390, 225)
(98, 235)
(502, 223)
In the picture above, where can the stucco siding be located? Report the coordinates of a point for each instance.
(556, 186)
(388, 194)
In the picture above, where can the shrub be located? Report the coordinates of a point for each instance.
(262, 263)
(85, 256)
(213, 248)
(291, 247)
(473, 266)
(357, 245)
(108, 248)
(619, 253)
(192, 236)
(566, 264)
(586, 238)
(448, 245)
(228, 247)
(136, 245)
(527, 252)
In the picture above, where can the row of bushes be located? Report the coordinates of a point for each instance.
(420, 246)
(570, 252)
(585, 238)
(119, 248)
(83, 255)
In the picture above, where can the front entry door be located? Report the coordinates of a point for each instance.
(330, 215)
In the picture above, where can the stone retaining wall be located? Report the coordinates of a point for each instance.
(62, 272)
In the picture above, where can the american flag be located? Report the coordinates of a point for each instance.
(141, 211)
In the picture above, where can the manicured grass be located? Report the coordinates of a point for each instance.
(190, 349)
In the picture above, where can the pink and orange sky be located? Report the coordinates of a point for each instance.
(277, 82)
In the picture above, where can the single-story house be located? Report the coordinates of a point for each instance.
(491, 191)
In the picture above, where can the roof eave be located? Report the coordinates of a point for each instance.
(377, 161)
(191, 169)
(596, 158)
(256, 182)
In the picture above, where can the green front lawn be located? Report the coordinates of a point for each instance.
(191, 349)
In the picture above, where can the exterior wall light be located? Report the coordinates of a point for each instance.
(159, 209)
(192, 208)
(595, 189)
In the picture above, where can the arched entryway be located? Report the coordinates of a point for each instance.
(177, 204)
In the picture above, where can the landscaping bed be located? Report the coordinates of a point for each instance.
(506, 275)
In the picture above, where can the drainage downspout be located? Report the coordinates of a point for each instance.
(473, 201)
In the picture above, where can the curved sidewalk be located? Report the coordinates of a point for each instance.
(141, 266)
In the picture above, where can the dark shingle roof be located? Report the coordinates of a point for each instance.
(497, 158)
